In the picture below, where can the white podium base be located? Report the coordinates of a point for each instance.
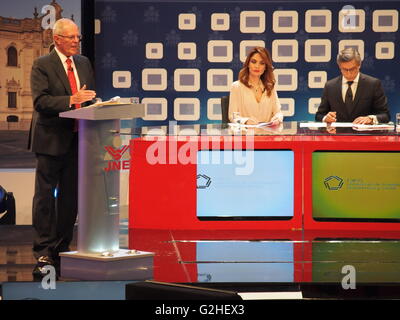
(120, 265)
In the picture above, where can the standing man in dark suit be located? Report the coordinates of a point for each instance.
(55, 82)
(353, 96)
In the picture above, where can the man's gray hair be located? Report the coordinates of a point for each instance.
(347, 55)
(60, 24)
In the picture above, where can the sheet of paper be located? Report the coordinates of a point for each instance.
(312, 124)
(112, 101)
(359, 127)
(368, 127)
(259, 125)
(342, 124)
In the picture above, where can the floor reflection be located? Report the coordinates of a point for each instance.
(259, 256)
(236, 256)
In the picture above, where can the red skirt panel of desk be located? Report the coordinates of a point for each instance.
(163, 195)
(342, 143)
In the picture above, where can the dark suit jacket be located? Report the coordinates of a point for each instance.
(369, 100)
(50, 134)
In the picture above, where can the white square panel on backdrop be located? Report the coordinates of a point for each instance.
(285, 50)
(384, 50)
(317, 79)
(154, 79)
(313, 104)
(252, 21)
(286, 79)
(187, 109)
(318, 21)
(121, 79)
(187, 50)
(385, 20)
(247, 45)
(187, 21)
(285, 21)
(351, 20)
(220, 22)
(154, 50)
(352, 43)
(214, 109)
(212, 130)
(187, 130)
(317, 50)
(155, 131)
(97, 26)
(219, 80)
(287, 106)
(187, 79)
(155, 108)
(220, 51)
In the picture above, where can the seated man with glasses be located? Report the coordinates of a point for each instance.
(353, 96)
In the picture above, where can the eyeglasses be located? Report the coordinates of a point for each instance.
(71, 37)
(349, 70)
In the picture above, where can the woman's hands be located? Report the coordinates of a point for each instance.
(251, 122)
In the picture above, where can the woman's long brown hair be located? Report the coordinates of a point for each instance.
(267, 77)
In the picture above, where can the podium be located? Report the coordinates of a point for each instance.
(98, 256)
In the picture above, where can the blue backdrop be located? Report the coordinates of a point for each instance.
(165, 50)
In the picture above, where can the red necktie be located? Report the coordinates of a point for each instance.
(72, 80)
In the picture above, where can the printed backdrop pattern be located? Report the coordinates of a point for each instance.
(179, 58)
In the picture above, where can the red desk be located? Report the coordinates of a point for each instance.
(163, 196)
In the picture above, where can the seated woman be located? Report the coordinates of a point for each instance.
(253, 98)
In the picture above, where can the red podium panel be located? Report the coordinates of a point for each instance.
(163, 186)
(362, 144)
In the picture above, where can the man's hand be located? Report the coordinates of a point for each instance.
(82, 96)
(330, 129)
(363, 120)
(330, 117)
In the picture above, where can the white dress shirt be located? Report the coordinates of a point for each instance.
(63, 59)
(353, 86)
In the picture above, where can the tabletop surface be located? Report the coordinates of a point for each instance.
(288, 128)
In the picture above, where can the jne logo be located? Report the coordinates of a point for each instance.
(116, 153)
(117, 156)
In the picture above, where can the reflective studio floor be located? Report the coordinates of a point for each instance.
(329, 261)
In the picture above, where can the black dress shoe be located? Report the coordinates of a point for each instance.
(39, 271)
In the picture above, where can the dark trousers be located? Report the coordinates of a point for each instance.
(53, 218)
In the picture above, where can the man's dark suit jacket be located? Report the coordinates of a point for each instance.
(51, 93)
(369, 100)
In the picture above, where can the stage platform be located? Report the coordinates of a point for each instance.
(319, 265)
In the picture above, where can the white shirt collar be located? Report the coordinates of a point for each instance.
(344, 80)
(62, 56)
